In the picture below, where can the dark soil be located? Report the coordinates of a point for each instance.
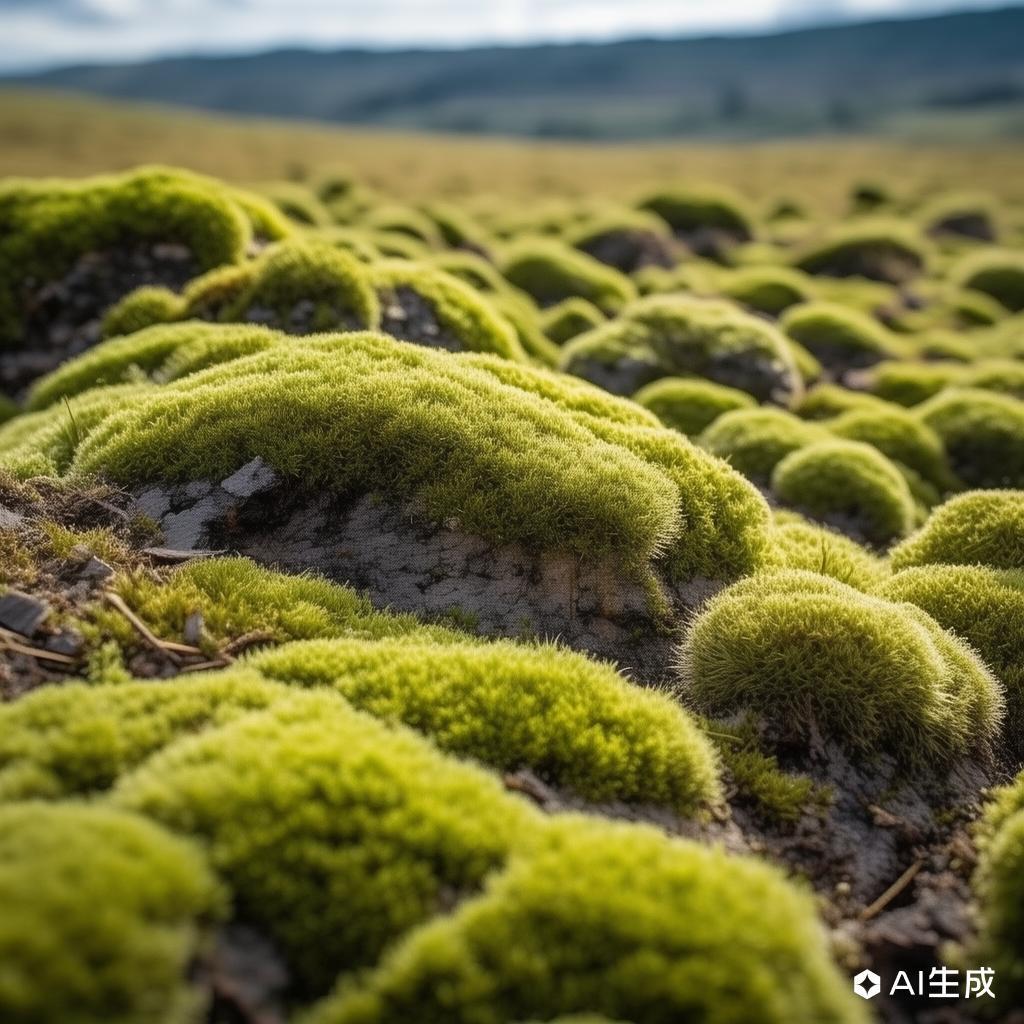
(407, 315)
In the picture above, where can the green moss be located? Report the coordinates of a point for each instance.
(577, 723)
(985, 607)
(849, 484)
(810, 653)
(46, 226)
(911, 383)
(550, 271)
(569, 318)
(841, 338)
(690, 405)
(509, 462)
(458, 228)
(754, 441)
(983, 434)
(148, 305)
(961, 215)
(577, 927)
(888, 251)
(8, 409)
(976, 528)
(902, 437)
(297, 202)
(827, 401)
(103, 914)
(625, 239)
(404, 220)
(689, 209)
(998, 273)
(334, 832)
(770, 290)
(675, 335)
(801, 544)
(460, 310)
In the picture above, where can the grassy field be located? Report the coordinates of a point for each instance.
(44, 134)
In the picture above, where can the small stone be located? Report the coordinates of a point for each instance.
(193, 631)
(190, 528)
(96, 569)
(68, 642)
(253, 478)
(154, 503)
(22, 613)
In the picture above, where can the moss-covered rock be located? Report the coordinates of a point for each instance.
(570, 317)
(976, 528)
(983, 434)
(826, 401)
(888, 251)
(334, 832)
(673, 335)
(691, 405)
(297, 202)
(754, 441)
(708, 219)
(961, 215)
(103, 915)
(627, 240)
(810, 653)
(849, 485)
(770, 290)
(550, 271)
(911, 383)
(999, 273)
(576, 927)
(841, 338)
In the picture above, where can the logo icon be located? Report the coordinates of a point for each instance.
(867, 984)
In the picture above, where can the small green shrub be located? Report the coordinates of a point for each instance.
(675, 335)
(576, 722)
(999, 273)
(570, 317)
(888, 251)
(808, 652)
(983, 434)
(551, 271)
(850, 485)
(754, 441)
(103, 914)
(976, 528)
(840, 337)
(578, 927)
(801, 544)
(334, 832)
(691, 405)
(985, 607)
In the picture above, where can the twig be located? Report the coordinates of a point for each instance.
(892, 892)
(34, 652)
(240, 643)
(172, 650)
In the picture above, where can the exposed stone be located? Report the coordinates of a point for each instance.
(22, 613)
(253, 478)
(96, 569)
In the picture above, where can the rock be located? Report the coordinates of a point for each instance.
(173, 555)
(96, 569)
(189, 529)
(155, 502)
(22, 613)
(193, 631)
(254, 477)
(68, 642)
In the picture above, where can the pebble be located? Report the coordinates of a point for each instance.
(22, 613)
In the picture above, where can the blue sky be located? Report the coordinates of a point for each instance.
(38, 33)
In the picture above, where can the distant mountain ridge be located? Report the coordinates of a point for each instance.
(834, 78)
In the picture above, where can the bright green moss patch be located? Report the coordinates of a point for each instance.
(550, 271)
(754, 441)
(574, 721)
(985, 607)
(103, 914)
(691, 405)
(983, 434)
(910, 383)
(569, 318)
(334, 832)
(999, 274)
(976, 528)
(808, 652)
(826, 401)
(674, 335)
(578, 927)
(882, 250)
(849, 484)
(801, 544)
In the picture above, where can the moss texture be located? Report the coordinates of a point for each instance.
(575, 927)
(570, 317)
(103, 914)
(808, 652)
(840, 337)
(687, 209)
(770, 290)
(754, 441)
(976, 528)
(691, 405)
(995, 273)
(889, 251)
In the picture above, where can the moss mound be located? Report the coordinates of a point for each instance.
(550, 272)
(689, 210)
(511, 461)
(754, 441)
(334, 832)
(827, 401)
(850, 485)
(887, 251)
(983, 433)
(840, 337)
(628, 240)
(808, 652)
(801, 544)
(770, 290)
(673, 335)
(985, 607)
(976, 528)
(576, 927)
(563, 322)
(103, 914)
(999, 273)
(691, 406)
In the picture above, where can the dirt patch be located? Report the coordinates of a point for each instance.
(63, 317)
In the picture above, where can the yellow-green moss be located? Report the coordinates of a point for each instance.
(691, 405)
(754, 441)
